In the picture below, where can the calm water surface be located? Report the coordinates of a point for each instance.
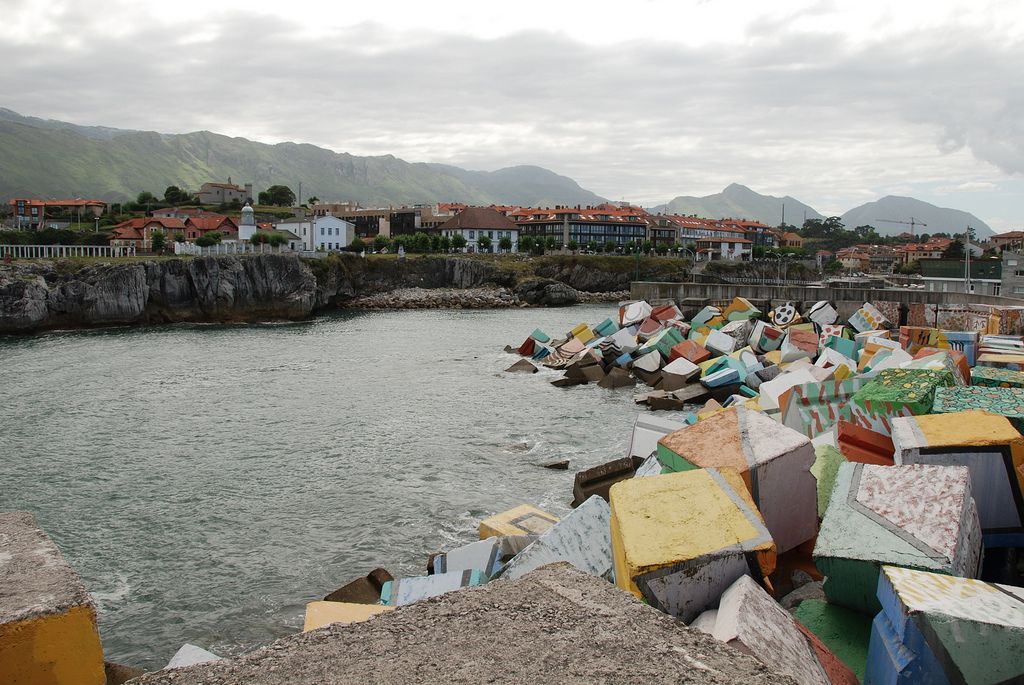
(208, 481)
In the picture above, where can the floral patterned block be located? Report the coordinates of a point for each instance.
(898, 389)
(1008, 402)
(992, 377)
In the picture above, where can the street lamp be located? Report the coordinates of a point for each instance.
(97, 228)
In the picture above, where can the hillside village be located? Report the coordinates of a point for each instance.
(223, 216)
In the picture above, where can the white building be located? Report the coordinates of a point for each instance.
(474, 223)
(322, 232)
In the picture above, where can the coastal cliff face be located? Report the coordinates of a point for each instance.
(36, 296)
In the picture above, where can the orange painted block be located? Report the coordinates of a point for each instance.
(689, 350)
(864, 445)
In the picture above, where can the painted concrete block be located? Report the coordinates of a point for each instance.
(938, 629)
(720, 343)
(582, 538)
(624, 340)
(647, 430)
(895, 389)
(606, 328)
(365, 590)
(943, 360)
(190, 655)
(408, 590)
(649, 362)
(749, 619)
(664, 341)
(771, 391)
(482, 555)
(540, 336)
(1013, 362)
(868, 318)
(773, 460)
(47, 620)
(740, 309)
(522, 520)
(996, 378)
(705, 315)
(844, 346)
(864, 445)
(765, 337)
(799, 344)
(633, 312)
(666, 313)
(320, 614)
(650, 467)
(648, 329)
(813, 408)
(680, 539)
(989, 446)
(690, 351)
(827, 460)
(785, 314)
(682, 367)
(844, 631)
(1008, 402)
(823, 313)
(921, 516)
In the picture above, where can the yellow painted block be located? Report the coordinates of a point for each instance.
(775, 357)
(52, 649)
(739, 305)
(968, 428)
(584, 333)
(660, 522)
(842, 373)
(523, 520)
(320, 614)
(716, 322)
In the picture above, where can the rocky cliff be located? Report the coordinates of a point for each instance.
(38, 296)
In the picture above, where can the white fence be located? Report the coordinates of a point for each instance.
(232, 247)
(60, 251)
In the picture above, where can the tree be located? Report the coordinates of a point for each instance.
(505, 244)
(357, 245)
(458, 241)
(954, 251)
(573, 245)
(277, 195)
(526, 243)
(421, 242)
(215, 236)
(484, 242)
(179, 237)
(435, 242)
(276, 240)
(646, 246)
(758, 252)
(145, 198)
(313, 200)
(593, 246)
(631, 246)
(911, 267)
(609, 246)
(550, 242)
(661, 249)
(158, 241)
(175, 195)
(379, 242)
(446, 243)
(257, 238)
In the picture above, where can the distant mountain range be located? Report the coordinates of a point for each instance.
(47, 158)
(740, 202)
(40, 157)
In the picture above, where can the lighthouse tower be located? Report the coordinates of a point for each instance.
(247, 225)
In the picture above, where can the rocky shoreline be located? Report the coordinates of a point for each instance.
(465, 298)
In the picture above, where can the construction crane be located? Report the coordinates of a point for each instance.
(913, 222)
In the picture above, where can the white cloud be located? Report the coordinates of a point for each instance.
(834, 103)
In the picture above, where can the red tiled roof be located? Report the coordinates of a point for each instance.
(211, 222)
(478, 218)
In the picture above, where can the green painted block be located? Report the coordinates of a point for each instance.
(846, 633)
(825, 467)
(844, 346)
(991, 377)
(893, 390)
(605, 328)
(540, 336)
(1008, 402)
(672, 462)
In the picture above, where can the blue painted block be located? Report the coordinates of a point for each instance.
(624, 359)
(605, 328)
(720, 378)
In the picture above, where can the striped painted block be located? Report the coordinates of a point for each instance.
(773, 460)
(990, 447)
(813, 408)
(679, 540)
(920, 516)
(939, 629)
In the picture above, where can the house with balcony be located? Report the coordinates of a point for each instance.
(603, 224)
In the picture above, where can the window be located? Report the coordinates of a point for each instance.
(490, 234)
(321, 230)
(472, 235)
(1018, 290)
(1018, 273)
(1011, 262)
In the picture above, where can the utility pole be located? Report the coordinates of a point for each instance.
(967, 260)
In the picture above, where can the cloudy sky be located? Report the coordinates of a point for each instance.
(835, 103)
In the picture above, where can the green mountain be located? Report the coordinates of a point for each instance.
(927, 217)
(44, 158)
(740, 202)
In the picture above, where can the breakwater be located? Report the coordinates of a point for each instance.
(48, 295)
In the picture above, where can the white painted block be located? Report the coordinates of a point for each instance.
(190, 655)
(647, 431)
